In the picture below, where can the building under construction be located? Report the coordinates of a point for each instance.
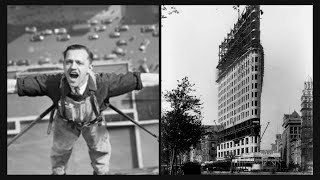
(240, 76)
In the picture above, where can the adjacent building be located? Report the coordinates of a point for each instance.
(291, 133)
(278, 142)
(296, 152)
(208, 144)
(240, 77)
(307, 125)
(206, 149)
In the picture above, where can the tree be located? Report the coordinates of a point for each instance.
(167, 11)
(181, 125)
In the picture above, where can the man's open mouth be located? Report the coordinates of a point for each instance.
(74, 75)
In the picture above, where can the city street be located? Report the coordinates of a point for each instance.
(252, 173)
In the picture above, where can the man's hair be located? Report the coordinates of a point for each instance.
(75, 47)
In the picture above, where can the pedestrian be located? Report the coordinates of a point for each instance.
(80, 95)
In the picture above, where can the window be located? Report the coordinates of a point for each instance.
(256, 59)
(247, 150)
(256, 103)
(256, 85)
(242, 150)
(247, 140)
(255, 111)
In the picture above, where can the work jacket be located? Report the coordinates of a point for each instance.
(107, 85)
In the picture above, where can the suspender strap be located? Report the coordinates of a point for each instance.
(63, 97)
(63, 105)
(50, 121)
(93, 104)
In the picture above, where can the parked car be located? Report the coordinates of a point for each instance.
(110, 56)
(32, 29)
(114, 34)
(47, 32)
(119, 51)
(93, 37)
(150, 28)
(60, 31)
(155, 33)
(132, 38)
(121, 42)
(122, 28)
(36, 37)
(100, 28)
(144, 44)
(107, 21)
(93, 22)
(23, 62)
(95, 57)
(44, 61)
(11, 63)
(63, 37)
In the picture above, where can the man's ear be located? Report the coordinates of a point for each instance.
(91, 67)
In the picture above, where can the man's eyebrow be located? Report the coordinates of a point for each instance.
(73, 60)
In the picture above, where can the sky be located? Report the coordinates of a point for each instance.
(190, 43)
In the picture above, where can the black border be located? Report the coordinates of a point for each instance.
(3, 107)
(316, 58)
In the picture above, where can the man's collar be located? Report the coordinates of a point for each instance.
(92, 82)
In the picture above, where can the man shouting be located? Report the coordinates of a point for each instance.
(79, 95)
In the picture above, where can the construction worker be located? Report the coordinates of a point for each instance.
(79, 95)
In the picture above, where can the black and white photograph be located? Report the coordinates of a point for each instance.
(236, 90)
(83, 94)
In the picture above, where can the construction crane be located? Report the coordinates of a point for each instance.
(264, 131)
